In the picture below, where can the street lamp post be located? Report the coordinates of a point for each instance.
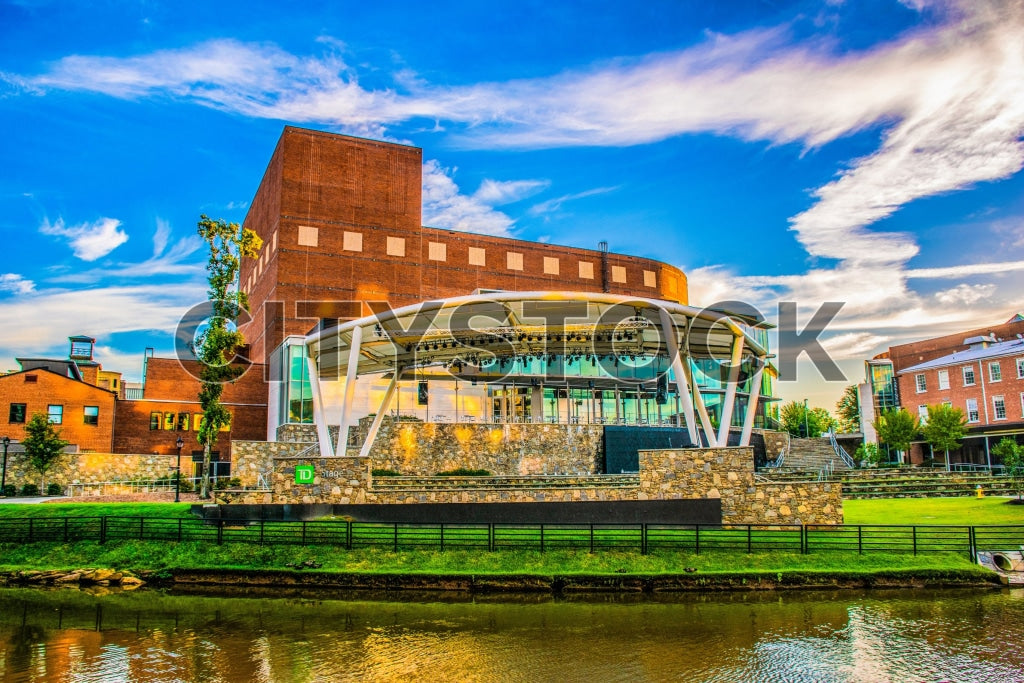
(177, 480)
(3, 477)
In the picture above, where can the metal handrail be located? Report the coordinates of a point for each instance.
(840, 451)
(775, 464)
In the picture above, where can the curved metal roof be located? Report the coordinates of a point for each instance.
(535, 324)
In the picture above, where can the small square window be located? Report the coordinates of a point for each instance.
(437, 251)
(514, 260)
(619, 274)
(352, 241)
(197, 421)
(396, 246)
(308, 236)
(31, 379)
(17, 413)
(182, 422)
(586, 270)
(920, 383)
(169, 421)
(477, 256)
(550, 265)
(154, 421)
(91, 415)
(650, 278)
(55, 414)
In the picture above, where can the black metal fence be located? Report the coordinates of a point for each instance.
(644, 538)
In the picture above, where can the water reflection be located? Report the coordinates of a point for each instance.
(843, 636)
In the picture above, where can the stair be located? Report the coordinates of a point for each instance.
(903, 482)
(415, 484)
(812, 455)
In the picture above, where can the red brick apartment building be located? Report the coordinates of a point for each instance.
(980, 371)
(340, 219)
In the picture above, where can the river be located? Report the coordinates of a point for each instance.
(149, 635)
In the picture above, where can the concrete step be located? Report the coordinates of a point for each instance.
(504, 483)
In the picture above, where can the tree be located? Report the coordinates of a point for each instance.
(868, 455)
(945, 427)
(825, 420)
(897, 427)
(1012, 455)
(215, 346)
(848, 410)
(43, 445)
(797, 417)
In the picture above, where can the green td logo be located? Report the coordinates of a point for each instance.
(304, 474)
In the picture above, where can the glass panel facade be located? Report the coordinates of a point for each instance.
(298, 392)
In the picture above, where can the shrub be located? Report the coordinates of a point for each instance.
(10, 490)
(868, 455)
(464, 472)
(54, 489)
(385, 473)
(30, 490)
(232, 483)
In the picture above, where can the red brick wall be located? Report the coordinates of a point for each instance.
(51, 388)
(333, 184)
(907, 355)
(172, 387)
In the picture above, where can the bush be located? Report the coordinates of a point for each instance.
(232, 483)
(54, 489)
(10, 490)
(30, 490)
(868, 455)
(385, 473)
(464, 472)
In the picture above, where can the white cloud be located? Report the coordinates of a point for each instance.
(555, 204)
(966, 295)
(497, 192)
(12, 282)
(445, 207)
(852, 345)
(88, 241)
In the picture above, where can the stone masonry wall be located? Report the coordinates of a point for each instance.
(87, 468)
(774, 442)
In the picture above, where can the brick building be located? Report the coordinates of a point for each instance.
(340, 219)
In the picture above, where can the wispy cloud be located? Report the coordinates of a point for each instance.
(88, 241)
(498, 192)
(12, 282)
(552, 205)
(444, 206)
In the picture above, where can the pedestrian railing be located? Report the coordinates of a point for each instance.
(697, 538)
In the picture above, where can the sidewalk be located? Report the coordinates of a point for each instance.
(29, 500)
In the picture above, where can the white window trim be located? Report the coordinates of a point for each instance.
(995, 410)
(963, 372)
(1020, 368)
(995, 364)
(943, 386)
(920, 383)
(977, 412)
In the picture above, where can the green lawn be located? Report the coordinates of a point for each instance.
(96, 510)
(966, 511)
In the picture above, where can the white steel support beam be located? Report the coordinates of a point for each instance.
(371, 435)
(323, 435)
(755, 396)
(730, 391)
(668, 329)
(351, 372)
(702, 411)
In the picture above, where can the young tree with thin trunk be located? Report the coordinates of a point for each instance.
(897, 428)
(216, 345)
(945, 427)
(43, 446)
(848, 410)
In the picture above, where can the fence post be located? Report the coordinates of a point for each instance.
(142, 525)
(348, 535)
(643, 539)
(860, 540)
(591, 537)
(749, 541)
(263, 523)
(303, 532)
(490, 536)
(972, 541)
(803, 539)
(442, 537)
(396, 537)
(30, 520)
(914, 532)
(220, 531)
(103, 530)
(542, 538)
(696, 537)
(65, 529)
(179, 529)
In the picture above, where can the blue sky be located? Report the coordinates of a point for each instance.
(867, 152)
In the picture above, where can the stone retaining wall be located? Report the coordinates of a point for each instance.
(724, 473)
(87, 468)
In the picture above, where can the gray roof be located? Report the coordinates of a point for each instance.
(1011, 347)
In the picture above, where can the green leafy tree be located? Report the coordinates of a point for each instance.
(848, 410)
(897, 428)
(868, 455)
(43, 445)
(945, 427)
(1012, 455)
(796, 417)
(825, 420)
(216, 345)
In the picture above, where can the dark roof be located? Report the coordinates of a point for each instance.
(59, 366)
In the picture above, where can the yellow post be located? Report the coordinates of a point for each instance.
(981, 494)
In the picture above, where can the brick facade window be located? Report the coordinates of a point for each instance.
(352, 241)
(968, 375)
(17, 413)
(550, 265)
(396, 246)
(55, 414)
(999, 407)
(437, 251)
(921, 383)
(972, 410)
(922, 413)
(1020, 368)
(514, 260)
(943, 380)
(477, 256)
(308, 236)
(91, 415)
(183, 422)
(619, 274)
(586, 270)
(154, 421)
(31, 379)
(650, 278)
(995, 373)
